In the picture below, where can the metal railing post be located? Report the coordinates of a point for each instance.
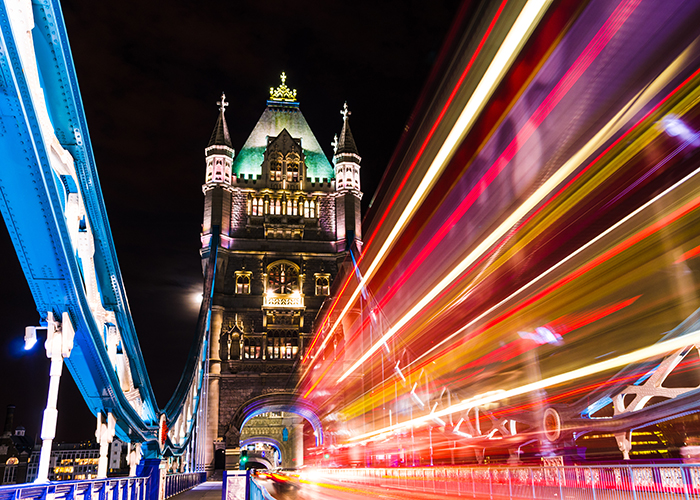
(685, 476)
(559, 478)
(510, 486)
(592, 482)
(631, 476)
(532, 482)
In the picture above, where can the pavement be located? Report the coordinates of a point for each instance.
(209, 490)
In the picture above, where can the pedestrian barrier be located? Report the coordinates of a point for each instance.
(618, 482)
(177, 483)
(126, 488)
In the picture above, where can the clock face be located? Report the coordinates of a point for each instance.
(283, 279)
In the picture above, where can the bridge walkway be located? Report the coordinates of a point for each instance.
(209, 490)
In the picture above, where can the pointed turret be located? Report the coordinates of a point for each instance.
(220, 135)
(347, 184)
(217, 185)
(219, 152)
(346, 144)
(346, 158)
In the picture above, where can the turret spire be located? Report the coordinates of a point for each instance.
(220, 135)
(347, 142)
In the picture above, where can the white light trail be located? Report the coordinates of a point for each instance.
(512, 44)
(537, 197)
(691, 338)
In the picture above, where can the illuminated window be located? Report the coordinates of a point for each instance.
(312, 209)
(278, 207)
(12, 461)
(322, 284)
(276, 169)
(282, 278)
(306, 209)
(295, 208)
(289, 207)
(243, 282)
(293, 172)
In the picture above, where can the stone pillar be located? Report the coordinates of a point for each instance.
(298, 449)
(217, 316)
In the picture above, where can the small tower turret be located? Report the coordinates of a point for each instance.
(347, 183)
(217, 190)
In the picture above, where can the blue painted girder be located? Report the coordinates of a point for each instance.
(32, 199)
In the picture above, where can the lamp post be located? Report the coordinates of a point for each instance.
(59, 343)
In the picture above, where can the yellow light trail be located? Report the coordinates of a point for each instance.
(516, 38)
(537, 197)
(651, 351)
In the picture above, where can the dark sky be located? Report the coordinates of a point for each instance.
(150, 74)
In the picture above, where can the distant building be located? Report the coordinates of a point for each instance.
(19, 457)
(15, 451)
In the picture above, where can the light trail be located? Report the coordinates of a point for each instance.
(515, 39)
(608, 130)
(677, 214)
(604, 35)
(656, 226)
(586, 371)
(418, 156)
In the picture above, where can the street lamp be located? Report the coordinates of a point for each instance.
(59, 343)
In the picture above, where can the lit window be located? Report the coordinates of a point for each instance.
(323, 284)
(312, 209)
(278, 207)
(282, 278)
(289, 207)
(243, 282)
(306, 209)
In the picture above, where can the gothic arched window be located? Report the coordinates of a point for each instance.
(276, 167)
(312, 209)
(243, 282)
(323, 285)
(282, 278)
(306, 208)
(292, 167)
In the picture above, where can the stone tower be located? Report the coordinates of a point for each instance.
(287, 219)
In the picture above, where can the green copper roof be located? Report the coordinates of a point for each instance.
(274, 119)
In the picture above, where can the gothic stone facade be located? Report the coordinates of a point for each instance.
(286, 218)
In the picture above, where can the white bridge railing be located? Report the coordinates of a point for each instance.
(636, 482)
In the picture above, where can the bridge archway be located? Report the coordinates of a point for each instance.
(278, 402)
(278, 420)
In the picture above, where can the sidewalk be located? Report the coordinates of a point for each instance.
(209, 490)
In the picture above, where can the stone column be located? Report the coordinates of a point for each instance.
(298, 449)
(217, 316)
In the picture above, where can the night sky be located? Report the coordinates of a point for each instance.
(150, 74)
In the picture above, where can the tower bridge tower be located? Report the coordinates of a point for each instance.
(287, 218)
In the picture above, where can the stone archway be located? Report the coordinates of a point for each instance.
(274, 419)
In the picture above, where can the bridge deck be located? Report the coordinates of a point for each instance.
(210, 490)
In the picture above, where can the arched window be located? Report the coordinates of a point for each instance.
(278, 207)
(276, 167)
(306, 208)
(261, 206)
(289, 207)
(282, 278)
(243, 282)
(323, 284)
(312, 209)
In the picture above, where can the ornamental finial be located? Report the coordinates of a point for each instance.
(345, 111)
(335, 144)
(222, 103)
(283, 93)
